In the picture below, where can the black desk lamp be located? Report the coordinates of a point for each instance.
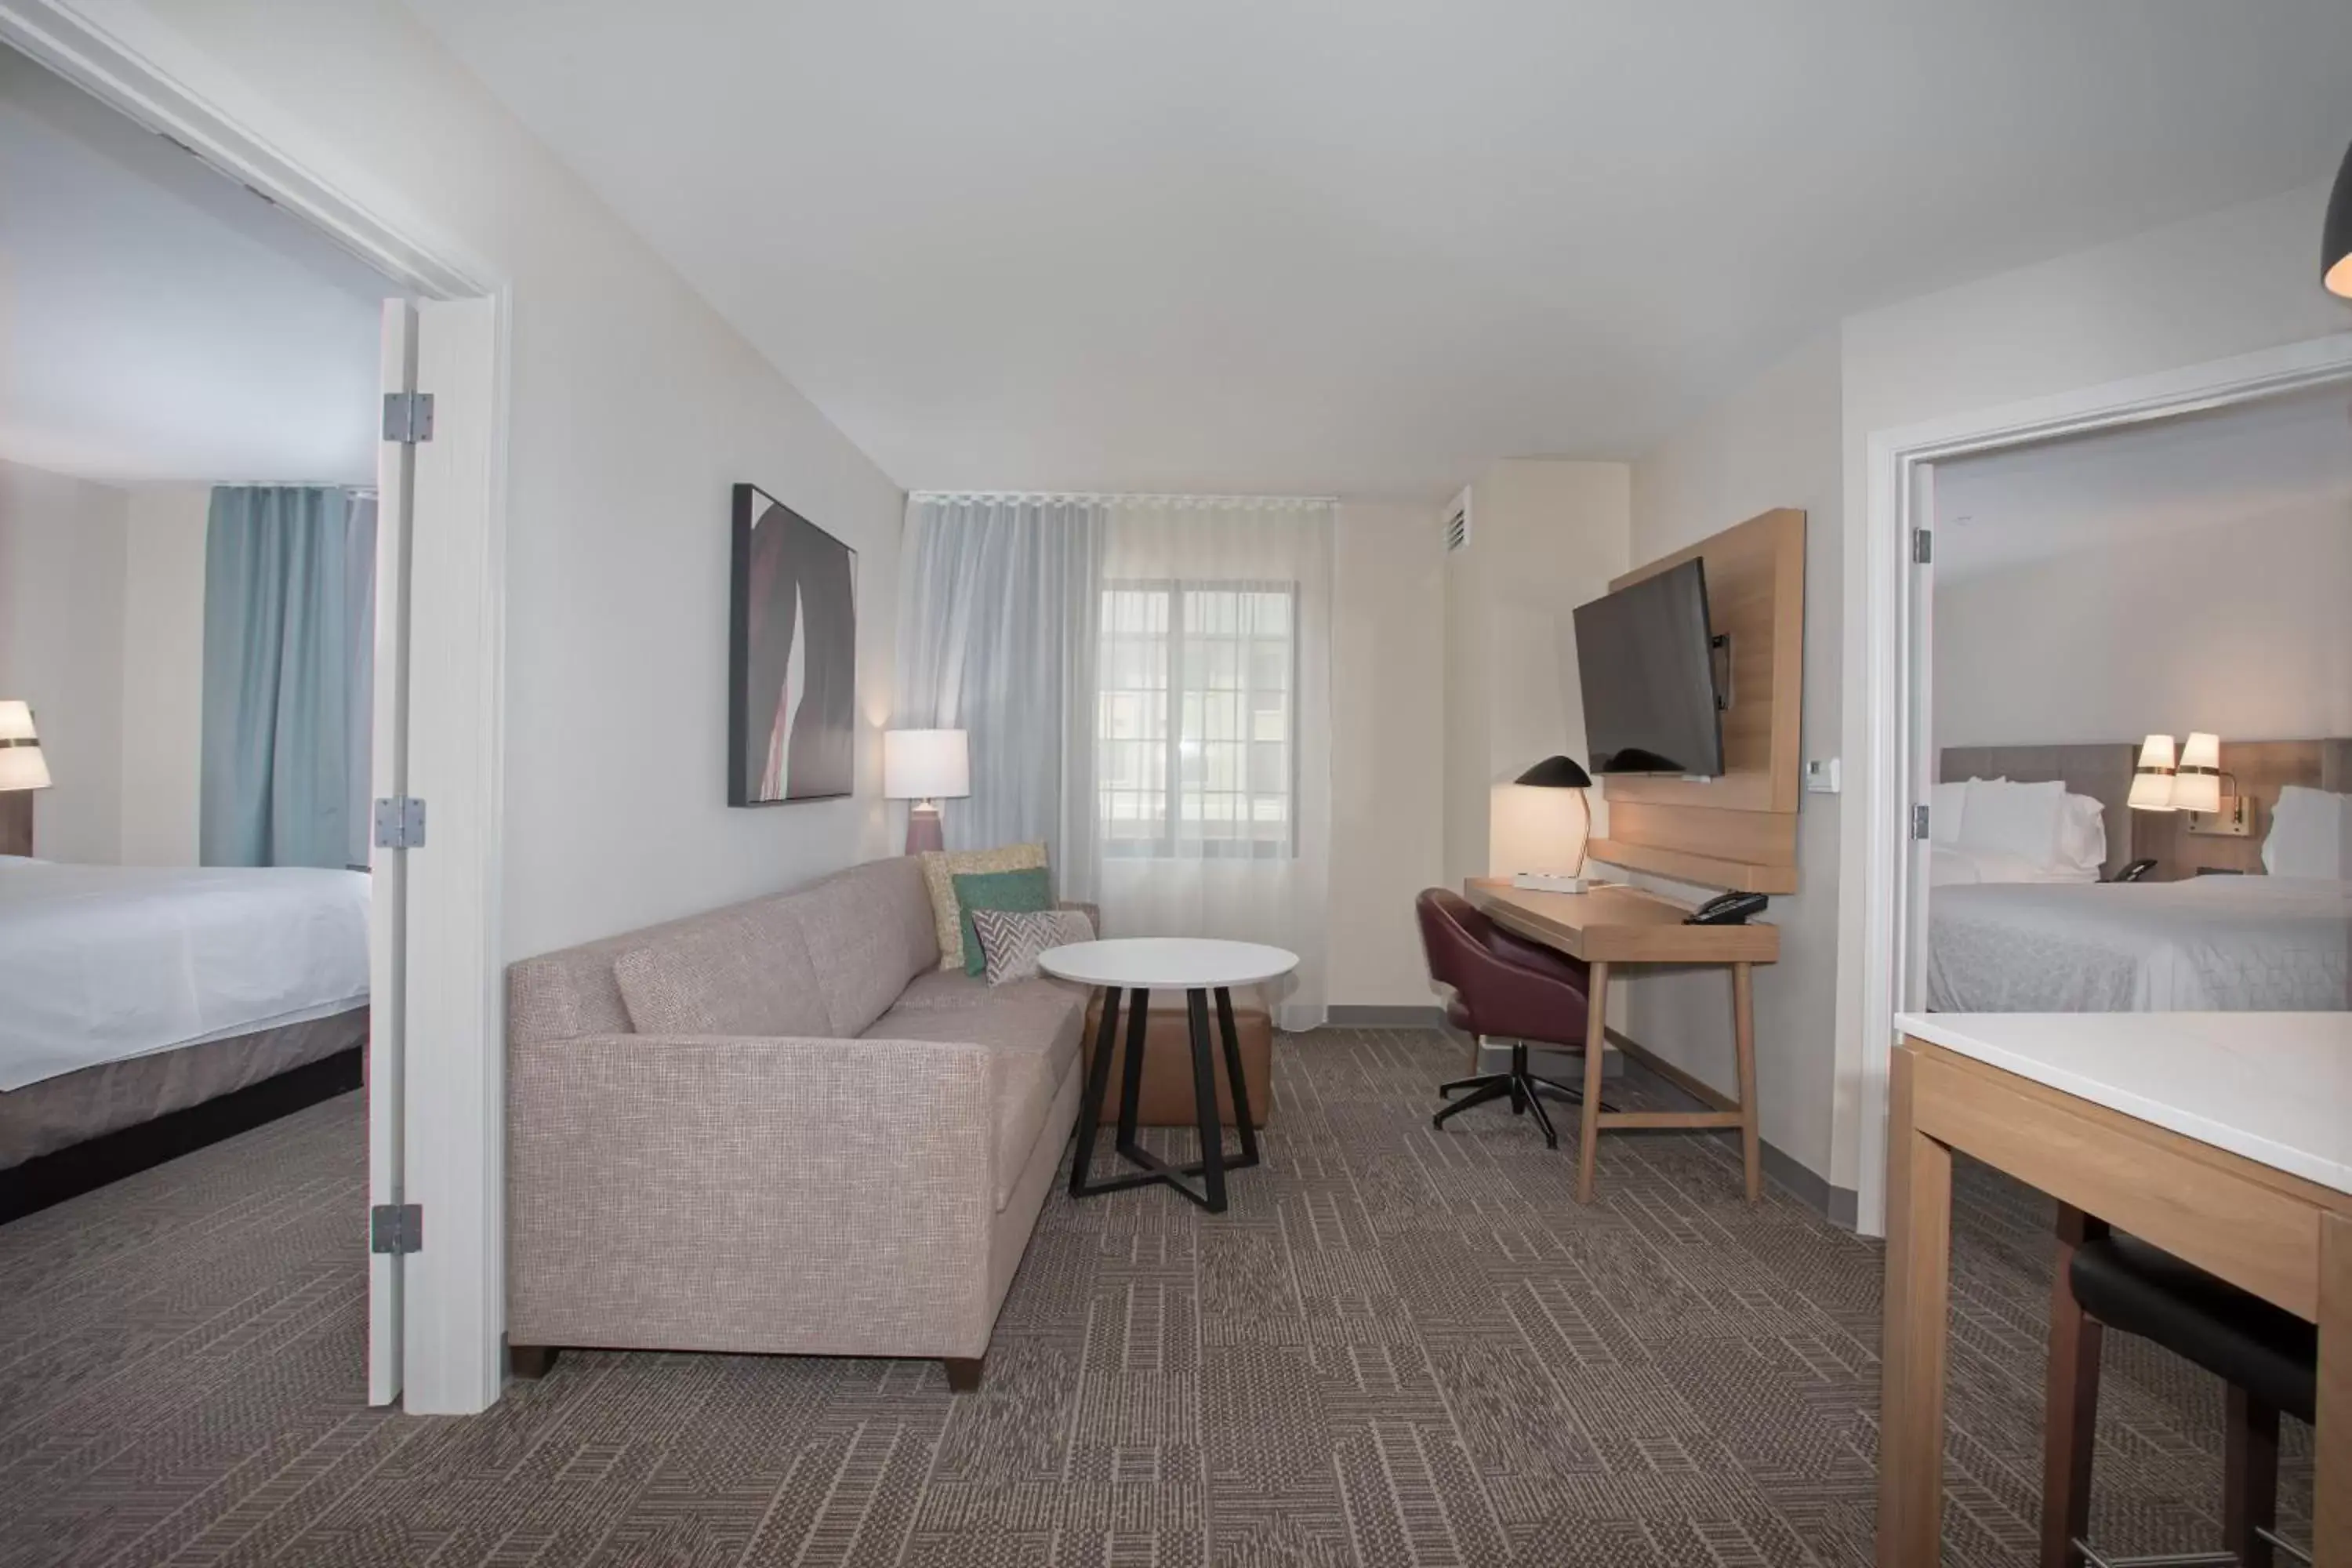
(1566, 774)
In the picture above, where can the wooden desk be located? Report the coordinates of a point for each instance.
(1610, 926)
(2223, 1138)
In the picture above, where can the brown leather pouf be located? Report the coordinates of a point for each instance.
(1166, 1097)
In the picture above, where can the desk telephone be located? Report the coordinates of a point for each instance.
(1726, 910)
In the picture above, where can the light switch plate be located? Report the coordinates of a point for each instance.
(1821, 775)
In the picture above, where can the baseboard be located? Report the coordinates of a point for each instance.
(1369, 1017)
(68, 1173)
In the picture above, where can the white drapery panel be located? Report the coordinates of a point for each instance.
(1146, 682)
(996, 593)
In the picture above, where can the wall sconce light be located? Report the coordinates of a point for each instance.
(2151, 786)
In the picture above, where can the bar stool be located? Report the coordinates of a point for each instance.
(2269, 1358)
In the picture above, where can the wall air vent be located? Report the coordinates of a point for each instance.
(1457, 523)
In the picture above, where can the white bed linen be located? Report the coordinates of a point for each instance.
(2207, 945)
(98, 963)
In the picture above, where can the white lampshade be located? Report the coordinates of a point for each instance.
(2151, 787)
(925, 764)
(2198, 786)
(22, 766)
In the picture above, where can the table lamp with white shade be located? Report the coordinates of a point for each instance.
(22, 768)
(925, 766)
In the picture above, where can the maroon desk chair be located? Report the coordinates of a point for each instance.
(1502, 986)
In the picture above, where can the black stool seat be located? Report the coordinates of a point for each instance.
(2271, 1353)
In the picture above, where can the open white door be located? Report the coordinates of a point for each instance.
(1910, 990)
(436, 1072)
(388, 912)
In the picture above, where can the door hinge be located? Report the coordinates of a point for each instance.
(1919, 821)
(1923, 547)
(408, 416)
(400, 822)
(396, 1228)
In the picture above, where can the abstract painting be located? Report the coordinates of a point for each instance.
(791, 721)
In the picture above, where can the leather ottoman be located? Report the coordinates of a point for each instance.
(1166, 1100)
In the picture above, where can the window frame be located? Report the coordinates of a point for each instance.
(1172, 782)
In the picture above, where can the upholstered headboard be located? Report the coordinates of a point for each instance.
(2102, 771)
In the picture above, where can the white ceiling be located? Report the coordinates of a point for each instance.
(2240, 465)
(1262, 245)
(161, 322)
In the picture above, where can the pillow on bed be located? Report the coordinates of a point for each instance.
(1946, 804)
(2082, 837)
(2310, 835)
(2015, 819)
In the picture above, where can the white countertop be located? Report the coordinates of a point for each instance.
(1167, 962)
(2274, 1087)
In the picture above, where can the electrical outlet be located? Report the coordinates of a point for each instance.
(2234, 820)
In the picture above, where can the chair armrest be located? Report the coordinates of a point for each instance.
(828, 1196)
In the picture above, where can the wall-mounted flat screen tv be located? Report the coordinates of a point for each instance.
(1644, 657)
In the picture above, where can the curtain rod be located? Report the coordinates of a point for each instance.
(1109, 497)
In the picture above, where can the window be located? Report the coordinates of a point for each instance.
(1195, 733)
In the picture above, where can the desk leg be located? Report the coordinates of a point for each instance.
(1918, 1296)
(1743, 1034)
(1596, 1045)
(2331, 1471)
(2071, 1401)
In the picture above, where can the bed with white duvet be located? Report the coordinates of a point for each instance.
(102, 963)
(2012, 928)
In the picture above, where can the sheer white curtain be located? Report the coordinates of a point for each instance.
(997, 594)
(1147, 685)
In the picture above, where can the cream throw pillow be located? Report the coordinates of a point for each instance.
(942, 867)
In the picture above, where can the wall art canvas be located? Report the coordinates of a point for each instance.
(791, 730)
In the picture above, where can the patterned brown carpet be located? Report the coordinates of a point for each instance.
(1398, 1347)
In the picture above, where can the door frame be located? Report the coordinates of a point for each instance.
(126, 56)
(1891, 631)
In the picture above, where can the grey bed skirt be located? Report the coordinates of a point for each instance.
(73, 1108)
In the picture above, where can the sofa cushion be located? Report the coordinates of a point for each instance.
(869, 932)
(743, 970)
(1031, 1028)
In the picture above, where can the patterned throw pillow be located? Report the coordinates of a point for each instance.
(1010, 939)
(1027, 890)
(940, 868)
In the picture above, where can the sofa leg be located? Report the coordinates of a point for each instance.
(963, 1374)
(531, 1362)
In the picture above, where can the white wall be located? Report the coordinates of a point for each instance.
(1773, 443)
(634, 409)
(1546, 536)
(1388, 775)
(2226, 283)
(61, 558)
(2237, 628)
(162, 672)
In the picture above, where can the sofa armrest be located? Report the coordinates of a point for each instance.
(814, 1197)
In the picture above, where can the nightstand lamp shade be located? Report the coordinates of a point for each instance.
(22, 766)
(2197, 785)
(925, 766)
(2151, 786)
(1561, 773)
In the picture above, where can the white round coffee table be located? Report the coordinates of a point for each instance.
(1134, 967)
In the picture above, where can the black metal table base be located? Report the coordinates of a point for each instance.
(1214, 1160)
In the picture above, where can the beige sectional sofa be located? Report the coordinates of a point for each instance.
(778, 1126)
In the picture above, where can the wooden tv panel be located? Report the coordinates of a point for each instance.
(1739, 831)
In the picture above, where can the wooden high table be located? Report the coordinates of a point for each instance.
(1611, 926)
(2223, 1138)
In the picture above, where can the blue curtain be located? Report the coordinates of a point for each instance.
(290, 639)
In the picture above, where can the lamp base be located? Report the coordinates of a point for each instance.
(923, 829)
(1546, 882)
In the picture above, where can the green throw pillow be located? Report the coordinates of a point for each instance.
(1018, 890)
